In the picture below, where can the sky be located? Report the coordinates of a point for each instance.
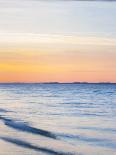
(64, 41)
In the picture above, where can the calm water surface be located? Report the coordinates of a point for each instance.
(57, 119)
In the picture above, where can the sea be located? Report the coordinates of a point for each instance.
(57, 119)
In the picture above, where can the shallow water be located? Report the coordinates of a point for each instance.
(57, 119)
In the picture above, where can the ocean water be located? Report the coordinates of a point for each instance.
(62, 119)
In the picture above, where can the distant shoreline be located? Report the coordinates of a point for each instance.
(57, 82)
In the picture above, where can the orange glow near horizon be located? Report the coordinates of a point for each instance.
(64, 60)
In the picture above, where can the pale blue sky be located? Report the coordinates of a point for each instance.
(58, 17)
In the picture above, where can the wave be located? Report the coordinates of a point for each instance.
(102, 142)
(28, 145)
(112, 130)
(21, 126)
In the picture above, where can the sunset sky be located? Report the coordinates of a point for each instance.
(65, 41)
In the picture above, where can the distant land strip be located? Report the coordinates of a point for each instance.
(57, 82)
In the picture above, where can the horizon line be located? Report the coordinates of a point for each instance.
(57, 82)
